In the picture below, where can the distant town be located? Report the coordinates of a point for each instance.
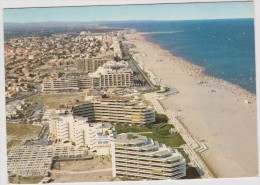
(79, 108)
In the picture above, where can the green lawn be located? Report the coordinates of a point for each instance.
(161, 118)
(124, 128)
(164, 130)
(186, 156)
(174, 141)
(160, 133)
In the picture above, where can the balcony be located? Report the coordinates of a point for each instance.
(149, 163)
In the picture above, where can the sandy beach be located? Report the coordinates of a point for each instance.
(221, 118)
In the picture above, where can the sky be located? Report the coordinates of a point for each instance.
(189, 11)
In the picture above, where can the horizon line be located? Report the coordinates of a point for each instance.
(128, 20)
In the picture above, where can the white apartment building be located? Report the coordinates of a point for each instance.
(66, 128)
(135, 156)
(90, 64)
(102, 134)
(58, 84)
(112, 74)
(62, 127)
(66, 83)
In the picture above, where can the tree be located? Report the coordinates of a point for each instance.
(161, 118)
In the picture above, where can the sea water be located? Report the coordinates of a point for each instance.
(225, 48)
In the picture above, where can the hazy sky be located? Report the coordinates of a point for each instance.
(133, 12)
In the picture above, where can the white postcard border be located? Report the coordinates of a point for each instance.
(59, 3)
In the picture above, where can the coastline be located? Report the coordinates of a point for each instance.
(229, 128)
(198, 72)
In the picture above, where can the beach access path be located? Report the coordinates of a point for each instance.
(221, 117)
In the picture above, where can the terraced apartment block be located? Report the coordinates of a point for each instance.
(116, 110)
(136, 156)
(122, 110)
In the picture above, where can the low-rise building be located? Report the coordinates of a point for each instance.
(116, 110)
(14, 107)
(123, 110)
(66, 84)
(11, 114)
(111, 74)
(58, 84)
(29, 161)
(36, 160)
(136, 156)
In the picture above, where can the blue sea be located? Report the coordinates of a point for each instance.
(225, 48)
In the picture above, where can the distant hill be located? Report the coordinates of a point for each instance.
(9, 25)
(48, 28)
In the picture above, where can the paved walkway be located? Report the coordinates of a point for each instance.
(145, 132)
(192, 144)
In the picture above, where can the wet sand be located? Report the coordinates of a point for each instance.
(222, 118)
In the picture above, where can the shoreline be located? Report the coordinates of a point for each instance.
(229, 128)
(198, 71)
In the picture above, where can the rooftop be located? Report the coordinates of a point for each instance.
(112, 67)
(130, 139)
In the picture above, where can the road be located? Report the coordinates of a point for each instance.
(42, 138)
(37, 111)
(139, 76)
(21, 97)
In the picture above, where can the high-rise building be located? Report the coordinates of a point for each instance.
(136, 156)
(66, 128)
(112, 74)
(89, 64)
